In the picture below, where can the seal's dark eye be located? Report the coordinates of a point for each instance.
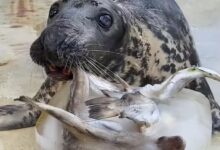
(105, 21)
(54, 10)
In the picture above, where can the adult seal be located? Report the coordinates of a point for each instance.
(141, 41)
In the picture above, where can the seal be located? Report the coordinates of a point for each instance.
(142, 42)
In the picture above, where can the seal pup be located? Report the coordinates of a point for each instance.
(129, 106)
(142, 42)
(103, 134)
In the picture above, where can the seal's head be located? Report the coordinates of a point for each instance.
(79, 33)
(142, 41)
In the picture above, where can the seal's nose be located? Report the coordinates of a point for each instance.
(37, 53)
(56, 43)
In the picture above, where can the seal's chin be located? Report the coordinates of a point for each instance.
(59, 73)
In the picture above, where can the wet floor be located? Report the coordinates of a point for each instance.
(22, 20)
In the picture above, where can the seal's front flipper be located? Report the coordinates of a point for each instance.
(23, 116)
(177, 82)
(139, 109)
(17, 116)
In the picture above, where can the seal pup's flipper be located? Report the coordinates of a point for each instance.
(143, 111)
(177, 82)
(17, 116)
(104, 107)
(23, 115)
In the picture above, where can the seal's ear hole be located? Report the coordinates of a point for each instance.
(54, 10)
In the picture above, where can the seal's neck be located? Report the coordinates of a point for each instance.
(142, 56)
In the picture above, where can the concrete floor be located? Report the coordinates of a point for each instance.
(202, 15)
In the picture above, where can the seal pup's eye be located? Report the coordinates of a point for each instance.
(105, 21)
(54, 10)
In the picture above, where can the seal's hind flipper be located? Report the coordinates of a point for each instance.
(177, 82)
(101, 108)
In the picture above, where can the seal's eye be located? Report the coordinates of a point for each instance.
(54, 10)
(105, 21)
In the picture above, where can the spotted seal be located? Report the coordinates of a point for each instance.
(142, 42)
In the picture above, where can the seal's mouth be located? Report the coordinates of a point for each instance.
(59, 73)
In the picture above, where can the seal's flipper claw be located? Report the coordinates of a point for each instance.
(177, 82)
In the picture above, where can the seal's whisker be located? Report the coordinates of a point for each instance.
(79, 64)
(101, 70)
(69, 65)
(89, 45)
(104, 69)
(97, 70)
(104, 51)
(93, 68)
(66, 65)
(124, 83)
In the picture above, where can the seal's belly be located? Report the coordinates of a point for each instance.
(187, 115)
(50, 137)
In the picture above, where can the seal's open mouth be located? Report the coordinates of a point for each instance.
(59, 73)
